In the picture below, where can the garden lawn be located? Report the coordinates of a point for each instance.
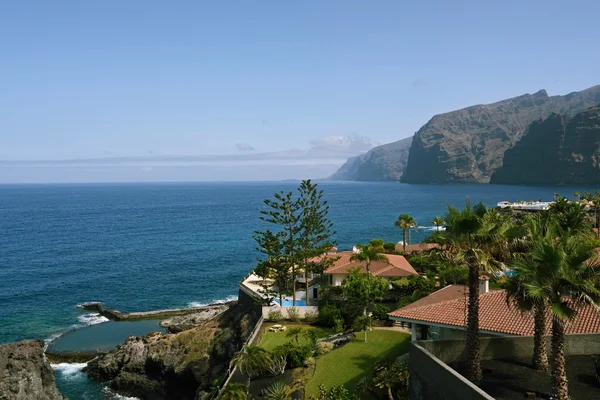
(270, 340)
(348, 364)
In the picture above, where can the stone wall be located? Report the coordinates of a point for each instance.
(432, 379)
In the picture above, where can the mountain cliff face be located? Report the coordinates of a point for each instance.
(468, 145)
(382, 163)
(556, 150)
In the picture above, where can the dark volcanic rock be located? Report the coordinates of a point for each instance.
(468, 145)
(557, 150)
(382, 163)
(175, 366)
(25, 374)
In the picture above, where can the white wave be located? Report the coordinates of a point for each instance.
(88, 303)
(431, 228)
(50, 339)
(109, 394)
(68, 370)
(92, 319)
(194, 304)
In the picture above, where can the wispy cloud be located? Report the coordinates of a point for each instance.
(326, 150)
(244, 147)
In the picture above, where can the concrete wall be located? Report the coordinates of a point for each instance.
(338, 279)
(302, 310)
(431, 378)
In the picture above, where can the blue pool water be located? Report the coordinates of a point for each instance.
(290, 303)
(139, 247)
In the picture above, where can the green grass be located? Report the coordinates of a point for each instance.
(349, 363)
(270, 340)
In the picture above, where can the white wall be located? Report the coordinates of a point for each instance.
(302, 310)
(337, 279)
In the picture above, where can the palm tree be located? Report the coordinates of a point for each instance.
(569, 278)
(373, 251)
(405, 222)
(438, 221)
(252, 361)
(473, 236)
(234, 391)
(278, 391)
(392, 375)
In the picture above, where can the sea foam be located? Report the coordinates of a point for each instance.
(115, 396)
(194, 304)
(92, 319)
(68, 370)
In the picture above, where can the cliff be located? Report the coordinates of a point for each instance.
(175, 366)
(25, 374)
(463, 146)
(382, 163)
(468, 145)
(557, 150)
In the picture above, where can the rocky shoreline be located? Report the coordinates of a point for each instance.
(25, 373)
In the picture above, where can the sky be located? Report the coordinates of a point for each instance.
(261, 90)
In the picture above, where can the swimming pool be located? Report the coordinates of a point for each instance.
(289, 303)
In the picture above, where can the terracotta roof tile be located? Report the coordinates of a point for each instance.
(448, 307)
(396, 265)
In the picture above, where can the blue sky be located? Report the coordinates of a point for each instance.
(150, 79)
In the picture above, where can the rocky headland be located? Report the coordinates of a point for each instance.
(467, 145)
(181, 365)
(25, 374)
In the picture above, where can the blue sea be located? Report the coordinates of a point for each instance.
(140, 247)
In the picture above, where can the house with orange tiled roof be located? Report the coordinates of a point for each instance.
(397, 266)
(443, 315)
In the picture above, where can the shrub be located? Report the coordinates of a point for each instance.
(293, 314)
(278, 391)
(274, 316)
(310, 317)
(295, 355)
(328, 315)
(324, 348)
(389, 247)
(277, 365)
(334, 393)
(380, 311)
(338, 325)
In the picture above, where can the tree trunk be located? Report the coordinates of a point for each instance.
(306, 282)
(560, 388)
(389, 393)
(598, 221)
(473, 361)
(540, 358)
(365, 335)
(404, 240)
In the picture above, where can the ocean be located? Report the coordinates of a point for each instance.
(139, 247)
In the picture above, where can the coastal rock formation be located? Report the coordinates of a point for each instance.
(185, 322)
(466, 145)
(382, 163)
(557, 150)
(175, 366)
(25, 374)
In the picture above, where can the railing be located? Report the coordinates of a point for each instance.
(233, 368)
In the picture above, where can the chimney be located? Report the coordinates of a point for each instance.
(484, 284)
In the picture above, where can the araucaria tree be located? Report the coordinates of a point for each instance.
(405, 222)
(315, 233)
(473, 235)
(303, 232)
(283, 212)
(275, 265)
